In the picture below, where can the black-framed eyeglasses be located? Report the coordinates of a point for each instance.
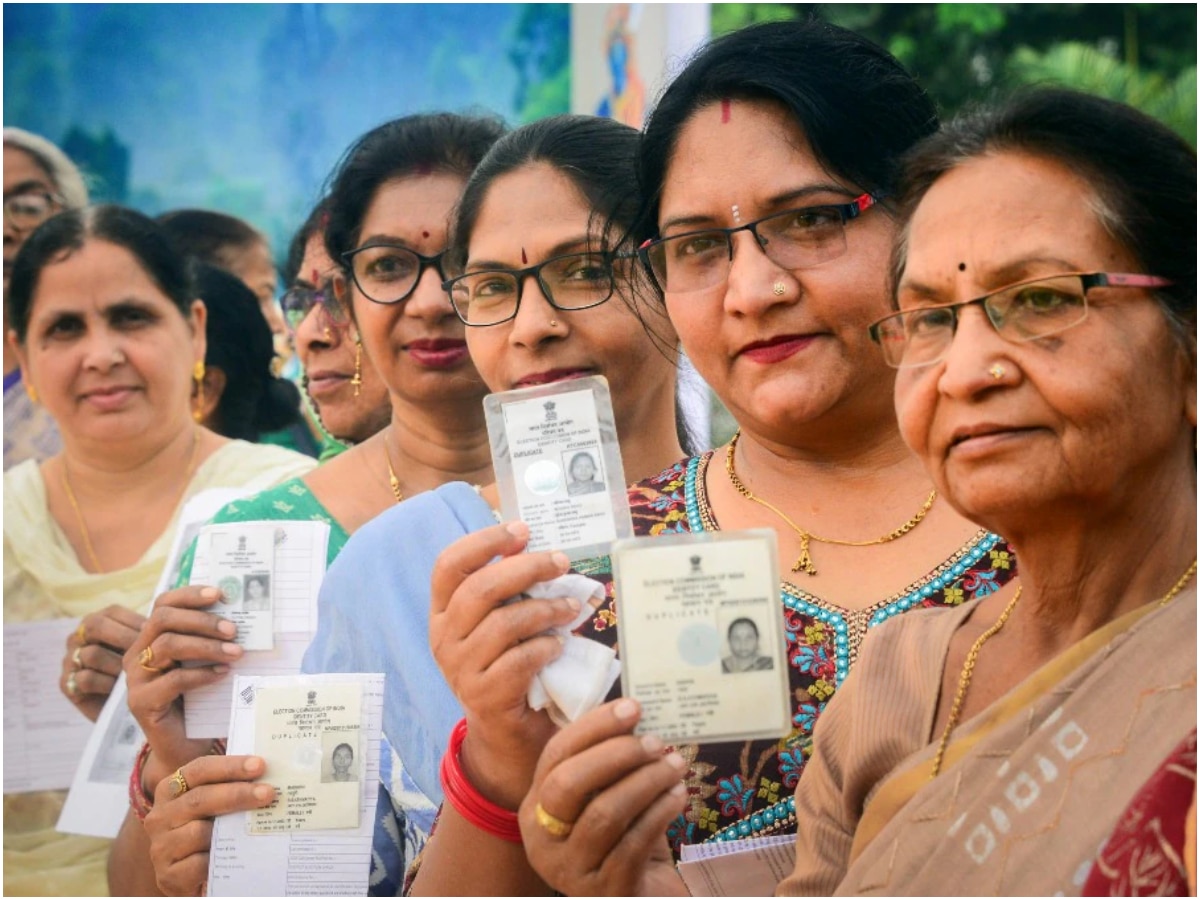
(794, 239)
(389, 273)
(298, 301)
(1021, 312)
(26, 210)
(571, 281)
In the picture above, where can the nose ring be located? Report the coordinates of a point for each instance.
(997, 371)
(779, 287)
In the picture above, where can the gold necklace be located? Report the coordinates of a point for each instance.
(804, 562)
(392, 479)
(968, 669)
(83, 529)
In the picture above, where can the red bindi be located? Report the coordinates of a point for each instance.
(425, 234)
(524, 258)
(725, 106)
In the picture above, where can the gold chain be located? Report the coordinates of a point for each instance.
(87, 535)
(964, 681)
(804, 562)
(392, 479)
(968, 669)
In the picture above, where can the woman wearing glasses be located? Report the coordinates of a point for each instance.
(768, 162)
(389, 209)
(39, 180)
(345, 392)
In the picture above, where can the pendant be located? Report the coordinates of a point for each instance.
(804, 561)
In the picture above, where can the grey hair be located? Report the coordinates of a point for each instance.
(65, 175)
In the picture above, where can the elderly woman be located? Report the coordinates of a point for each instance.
(1045, 342)
(39, 180)
(111, 339)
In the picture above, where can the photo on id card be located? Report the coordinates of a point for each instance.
(701, 634)
(558, 465)
(241, 563)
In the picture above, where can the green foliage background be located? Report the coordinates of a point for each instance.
(1143, 54)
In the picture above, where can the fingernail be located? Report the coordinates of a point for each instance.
(678, 790)
(211, 593)
(227, 628)
(519, 530)
(253, 764)
(220, 670)
(231, 649)
(675, 761)
(560, 560)
(652, 743)
(572, 604)
(263, 792)
(625, 708)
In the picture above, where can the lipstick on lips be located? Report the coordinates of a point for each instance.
(551, 376)
(438, 353)
(776, 349)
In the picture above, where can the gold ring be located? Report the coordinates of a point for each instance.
(72, 687)
(79, 634)
(75, 659)
(553, 824)
(147, 657)
(177, 784)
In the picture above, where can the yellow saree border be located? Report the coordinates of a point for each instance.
(899, 789)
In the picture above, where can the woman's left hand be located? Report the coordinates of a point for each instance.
(93, 659)
(614, 794)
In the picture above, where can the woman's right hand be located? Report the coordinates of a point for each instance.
(178, 630)
(490, 652)
(179, 827)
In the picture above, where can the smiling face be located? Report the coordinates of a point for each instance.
(327, 353)
(417, 345)
(779, 360)
(1082, 423)
(530, 215)
(109, 354)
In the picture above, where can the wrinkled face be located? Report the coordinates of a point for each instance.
(108, 353)
(417, 345)
(23, 175)
(743, 641)
(343, 758)
(1079, 423)
(530, 215)
(781, 348)
(327, 352)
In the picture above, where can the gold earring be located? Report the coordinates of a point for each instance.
(31, 392)
(198, 377)
(357, 379)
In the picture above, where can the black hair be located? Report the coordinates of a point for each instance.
(340, 746)
(857, 106)
(420, 144)
(63, 234)
(740, 621)
(314, 224)
(598, 155)
(1143, 176)
(240, 345)
(211, 237)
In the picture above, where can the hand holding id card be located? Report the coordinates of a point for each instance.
(701, 635)
(558, 465)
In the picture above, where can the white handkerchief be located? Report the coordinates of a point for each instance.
(582, 676)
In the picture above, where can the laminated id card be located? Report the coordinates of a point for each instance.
(701, 635)
(558, 465)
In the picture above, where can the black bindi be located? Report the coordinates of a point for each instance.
(962, 267)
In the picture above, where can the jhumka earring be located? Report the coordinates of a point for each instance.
(357, 379)
(31, 392)
(198, 377)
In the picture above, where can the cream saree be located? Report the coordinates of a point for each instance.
(43, 580)
(1030, 788)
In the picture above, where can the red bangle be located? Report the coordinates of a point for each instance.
(138, 801)
(470, 804)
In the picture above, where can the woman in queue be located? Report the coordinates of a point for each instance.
(767, 164)
(389, 211)
(346, 396)
(531, 229)
(111, 340)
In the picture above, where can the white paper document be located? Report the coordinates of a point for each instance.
(44, 734)
(749, 868)
(99, 793)
(326, 862)
(299, 567)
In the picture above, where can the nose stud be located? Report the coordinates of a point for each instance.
(554, 323)
(997, 371)
(779, 287)
(118, 357)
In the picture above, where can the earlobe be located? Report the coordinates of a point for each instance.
(199, 321)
